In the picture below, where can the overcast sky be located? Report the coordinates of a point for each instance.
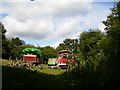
(49, 22)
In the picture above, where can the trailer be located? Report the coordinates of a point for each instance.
(53, 63)
(33, 57)
(63, 58)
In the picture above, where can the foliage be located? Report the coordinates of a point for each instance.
(69, 44)
(49, 51)
(110, 49)
(61, 47)
(14, 46)
(89, 49)
(113, 31)
(5, 48)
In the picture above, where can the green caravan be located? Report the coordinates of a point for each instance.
(34, 56)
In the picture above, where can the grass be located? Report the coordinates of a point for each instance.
(46, 70)
(4, 62)
(49, 71)
(17, 77)
(14, 77)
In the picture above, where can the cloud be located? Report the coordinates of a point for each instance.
(68, 27)
(59, 1)
(106, 0)
(48, 8)
(31, 29)
(47, 0)
(73, 26)
(37, 20)
(56, 44)
(41, 22)
(65, 9)
(101, 27)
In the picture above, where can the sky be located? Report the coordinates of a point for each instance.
(49, 22)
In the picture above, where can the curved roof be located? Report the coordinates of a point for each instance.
(64, 51)
(37, 51)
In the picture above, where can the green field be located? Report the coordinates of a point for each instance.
(17, 77)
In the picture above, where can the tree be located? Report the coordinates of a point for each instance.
(16, 41)
(113, 31)
(4, 41)
(50, 52)
(15, 47)
(69, 44)
(61, 47)
(10, 47)
(88, 48)
(110, 46)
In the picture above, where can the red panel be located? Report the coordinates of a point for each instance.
(63, 61)
(29, 58)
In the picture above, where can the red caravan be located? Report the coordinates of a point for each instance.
(62, 58)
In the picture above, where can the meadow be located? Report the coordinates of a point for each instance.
(20, 77)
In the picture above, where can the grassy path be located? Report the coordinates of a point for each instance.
(17, 77)
(49, 71)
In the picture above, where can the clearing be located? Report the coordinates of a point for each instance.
(19, 77)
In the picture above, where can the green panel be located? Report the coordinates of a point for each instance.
(52, 63)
